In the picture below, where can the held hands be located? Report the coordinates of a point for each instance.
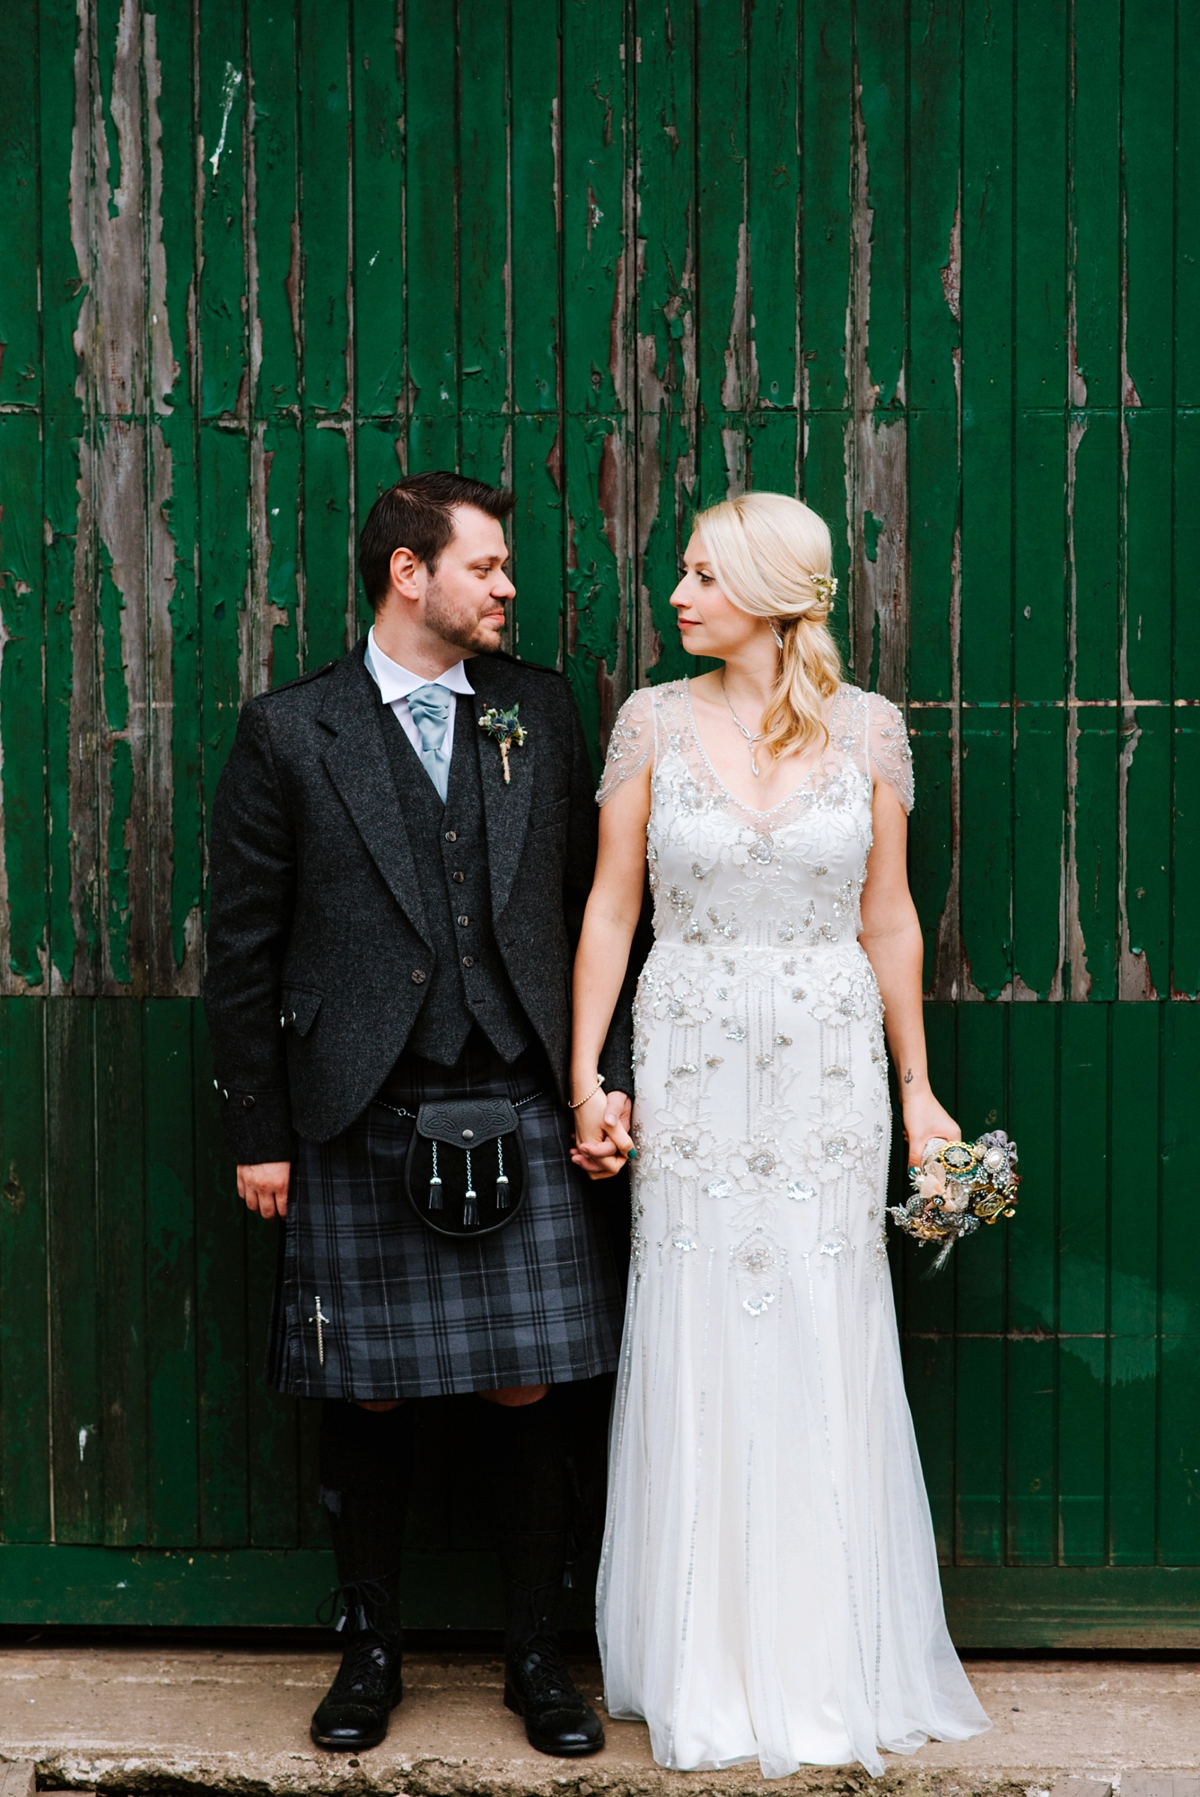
(924, 1118)
(265, 1187)
(602, 1139)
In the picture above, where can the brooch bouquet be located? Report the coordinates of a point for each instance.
(506, 730)
(958, 1186)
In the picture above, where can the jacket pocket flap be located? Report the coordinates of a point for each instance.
(467, 1123)
(298, 1009)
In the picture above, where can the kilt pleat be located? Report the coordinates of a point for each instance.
(408, 1313)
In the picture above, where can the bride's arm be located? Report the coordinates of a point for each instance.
(613, 909)
(891, 937)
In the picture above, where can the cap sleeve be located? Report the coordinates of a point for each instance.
(887, 740)
(631, 744)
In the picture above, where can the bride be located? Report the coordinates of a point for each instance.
(769, 1587)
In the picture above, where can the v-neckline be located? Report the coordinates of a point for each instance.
(752, 810)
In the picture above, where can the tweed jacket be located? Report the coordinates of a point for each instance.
(319, 948)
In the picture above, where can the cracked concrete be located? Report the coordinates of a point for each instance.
(200, 1719)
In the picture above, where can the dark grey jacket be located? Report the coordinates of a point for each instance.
(319, 947)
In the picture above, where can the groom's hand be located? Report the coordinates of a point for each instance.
(603, 1142)
(264, 1187)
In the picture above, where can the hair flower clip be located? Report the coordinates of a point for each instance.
(825, 584)
(506, 730)
(958, 1186)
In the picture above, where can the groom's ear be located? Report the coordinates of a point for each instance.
(406, 572)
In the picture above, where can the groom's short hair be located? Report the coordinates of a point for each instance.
(417, 514)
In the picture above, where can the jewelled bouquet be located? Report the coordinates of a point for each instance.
(958, 1186)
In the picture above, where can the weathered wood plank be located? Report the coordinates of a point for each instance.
(174, 1494)
(666, 325)
(20, 358)
(1179, 1367)
(538, 537)
(431, 236)
(273, 624)
(377, 113)
(483, 242)
(77, 1402)
(598, 263)
(1031, 1375)
(26, 1485)
(826, 267)
(1134, 1221)
(120, 1246)
(1084, 1071)
(774, 82)
(980, 1311)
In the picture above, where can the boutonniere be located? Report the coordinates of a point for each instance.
(506, 729)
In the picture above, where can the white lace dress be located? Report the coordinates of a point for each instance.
(769, 1586)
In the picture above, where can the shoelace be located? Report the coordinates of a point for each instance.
(362, 1599)
(544, 1674)
(364, 1673)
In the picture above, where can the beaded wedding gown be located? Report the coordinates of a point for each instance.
(769, 1587)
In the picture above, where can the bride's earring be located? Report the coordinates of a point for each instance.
(778, 638)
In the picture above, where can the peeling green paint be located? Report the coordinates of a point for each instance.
(936, 271)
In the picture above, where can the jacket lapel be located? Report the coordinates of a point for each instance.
(506, 807)
(356, 760)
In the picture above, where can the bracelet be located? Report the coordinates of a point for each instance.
(582, 1101)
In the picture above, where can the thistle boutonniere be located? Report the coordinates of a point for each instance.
(506, 729)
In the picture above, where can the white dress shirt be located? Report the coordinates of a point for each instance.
(395, 683)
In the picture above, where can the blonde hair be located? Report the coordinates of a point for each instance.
(771, 556)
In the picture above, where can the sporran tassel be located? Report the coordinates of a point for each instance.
(435, 1184)
(470, 1207)
(501, 1176)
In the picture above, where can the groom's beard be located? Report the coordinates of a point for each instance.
(460, 622)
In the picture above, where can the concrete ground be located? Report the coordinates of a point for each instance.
(193, 1719)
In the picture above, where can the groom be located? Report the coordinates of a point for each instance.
(395, 904)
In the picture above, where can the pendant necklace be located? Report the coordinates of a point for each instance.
(751, 739)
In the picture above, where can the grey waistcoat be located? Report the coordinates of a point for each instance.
(467, 983)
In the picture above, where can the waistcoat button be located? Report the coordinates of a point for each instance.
(248, 1102)
(458, 878)
(418, 978)
(468, 961)
(451, 835)
(464, 921)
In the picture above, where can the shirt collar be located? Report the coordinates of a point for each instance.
(395, 682)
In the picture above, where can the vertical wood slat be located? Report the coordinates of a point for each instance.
(598, 446)
(26, 1404)
(535, 286)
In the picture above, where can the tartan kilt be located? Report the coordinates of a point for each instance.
(411, 1314)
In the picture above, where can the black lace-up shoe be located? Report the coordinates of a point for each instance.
(354, 1713)
(538, 1687)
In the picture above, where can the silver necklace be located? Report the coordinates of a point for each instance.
(751, 739)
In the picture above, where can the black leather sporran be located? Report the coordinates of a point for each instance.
(466, 1173)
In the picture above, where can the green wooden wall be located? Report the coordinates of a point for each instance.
(933, 264)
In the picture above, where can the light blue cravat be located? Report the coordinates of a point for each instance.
(430, 708)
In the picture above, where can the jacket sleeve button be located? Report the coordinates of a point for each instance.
(248, 1102)
(418, 978)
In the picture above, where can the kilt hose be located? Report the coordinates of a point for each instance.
(410, 1314)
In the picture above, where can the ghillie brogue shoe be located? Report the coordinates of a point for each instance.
(538, 1688)
(354, 1713)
